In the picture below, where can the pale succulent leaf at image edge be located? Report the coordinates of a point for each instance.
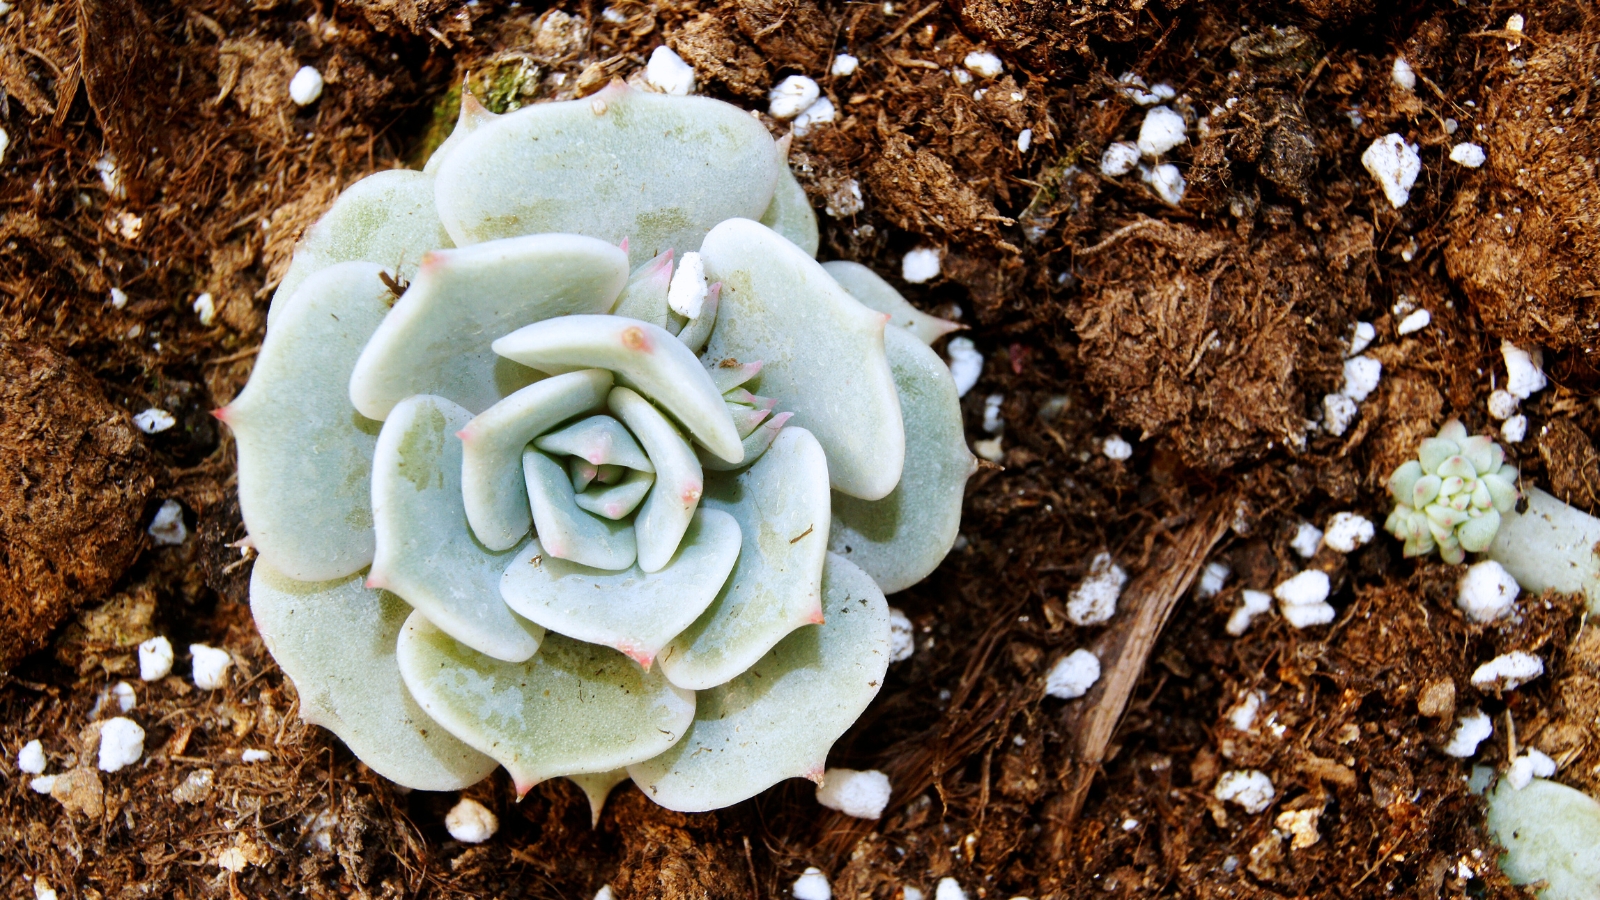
(729, 575)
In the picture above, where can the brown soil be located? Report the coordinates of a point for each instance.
(1207, 334)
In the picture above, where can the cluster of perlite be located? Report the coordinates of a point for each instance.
(516, 479)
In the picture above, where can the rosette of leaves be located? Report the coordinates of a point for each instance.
(1452, 495)
(564, 454)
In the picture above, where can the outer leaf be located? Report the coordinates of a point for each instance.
(632, 611)
(492, 486)
(565, 529)
(597, 787)
(387, 218)
(601, 440)
(658, 170)
(643, 357)
(426, 553)
(900, 539)
(875, 293)
(665, 515)
(304, 454)
(1550, 547)
(437, 338)
(1550, 833)
(336, 641)
(781, 504)
(790, 214)
(574, 709)
(779, 719)
(822, 352)
(474, 115)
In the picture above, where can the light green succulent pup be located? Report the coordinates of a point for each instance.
(535, 510)
(1452, 496)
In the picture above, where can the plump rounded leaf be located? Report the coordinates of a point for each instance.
(597, 787)
(1434, 451)
(617, 500)
(1403, 480)
(336, 640)
(1550, 832)
(492, 486)
(575, 708)
(900, 539)
(565, 529)
(875, 293)
(778, 719)
(643, 357)
(305, 455)
(658, 170)
(632, 611)
(822, 352)
(437, 338)
(790, 213)
(426, 553)
(1550, 547)
(679, 480)
(781, 504)
(387, 218)
(1475, 535)
(645, 297)
(601, 440)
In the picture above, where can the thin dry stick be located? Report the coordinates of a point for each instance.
(1123, 649)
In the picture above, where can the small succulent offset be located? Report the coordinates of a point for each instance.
(616, 516)
(1451, 497)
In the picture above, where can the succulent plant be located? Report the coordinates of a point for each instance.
(564, 454)
(1452, 495)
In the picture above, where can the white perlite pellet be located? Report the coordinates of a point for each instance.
(210, 666)
(1116, 448)
(254, 756)
(1024, 140)
(1166, 181)
(155, 659)
(1307, 538)
(1414, 322)
(920, 265)
(167, 527)
(1094, 600)
(1119, 159)
(1072, 675)
(126, 698)
(1402, 75)
(1161, 130)
(983, 64)
(206, 309)
(812, 885)
(1523, 375)
(1361, 377)
(1469, 155)
(1514, 429)
(470, 822)
(993, 421)
(30, 758)
(949, 889)
(814, 115)
(121, 744)
(1251, 789)
(687, 291)
(1338, 411)
(1508, 671)
(668, 73)
(1243, 714)
(1212, 578)
(855, 793)
(154, 421)
(1528, 766)
(1251, 604)
(902, 637)
(306, 86)
(1361, 335)
(1347, 531)
(1472, 729)
(844, 65)
(790, 97)
(1502, 404)
(1395, 165)
(966, 364)
(1487, 592)
(1302, 600)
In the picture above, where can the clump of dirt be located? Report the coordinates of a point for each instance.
(1525, 235)
(76, 481)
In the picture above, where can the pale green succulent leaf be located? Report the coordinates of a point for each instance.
(645, 297)
(1550, 547)
(614, 501)
(1453, 431)
(900, 539)
(1502, 489)
(728, 374)
(387, 218)
(643, 356)
(1404, 479)
(755, 443)
(633, 611)
(781, 504)
(790, 213)
(437, 339)
(601, 440)
(597, 787)
(564, 528)
(492, 486)
(779, 718)
(671, 503)
(657, 170)
(426, 552)
(1550, 832)
(1477, 534)
(1425, 489)
(474, 115)
(748, 418)
(574, 709)
(1434, 451)
(821, 351)
(336, 641)
(875, 293)
(305, 456)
